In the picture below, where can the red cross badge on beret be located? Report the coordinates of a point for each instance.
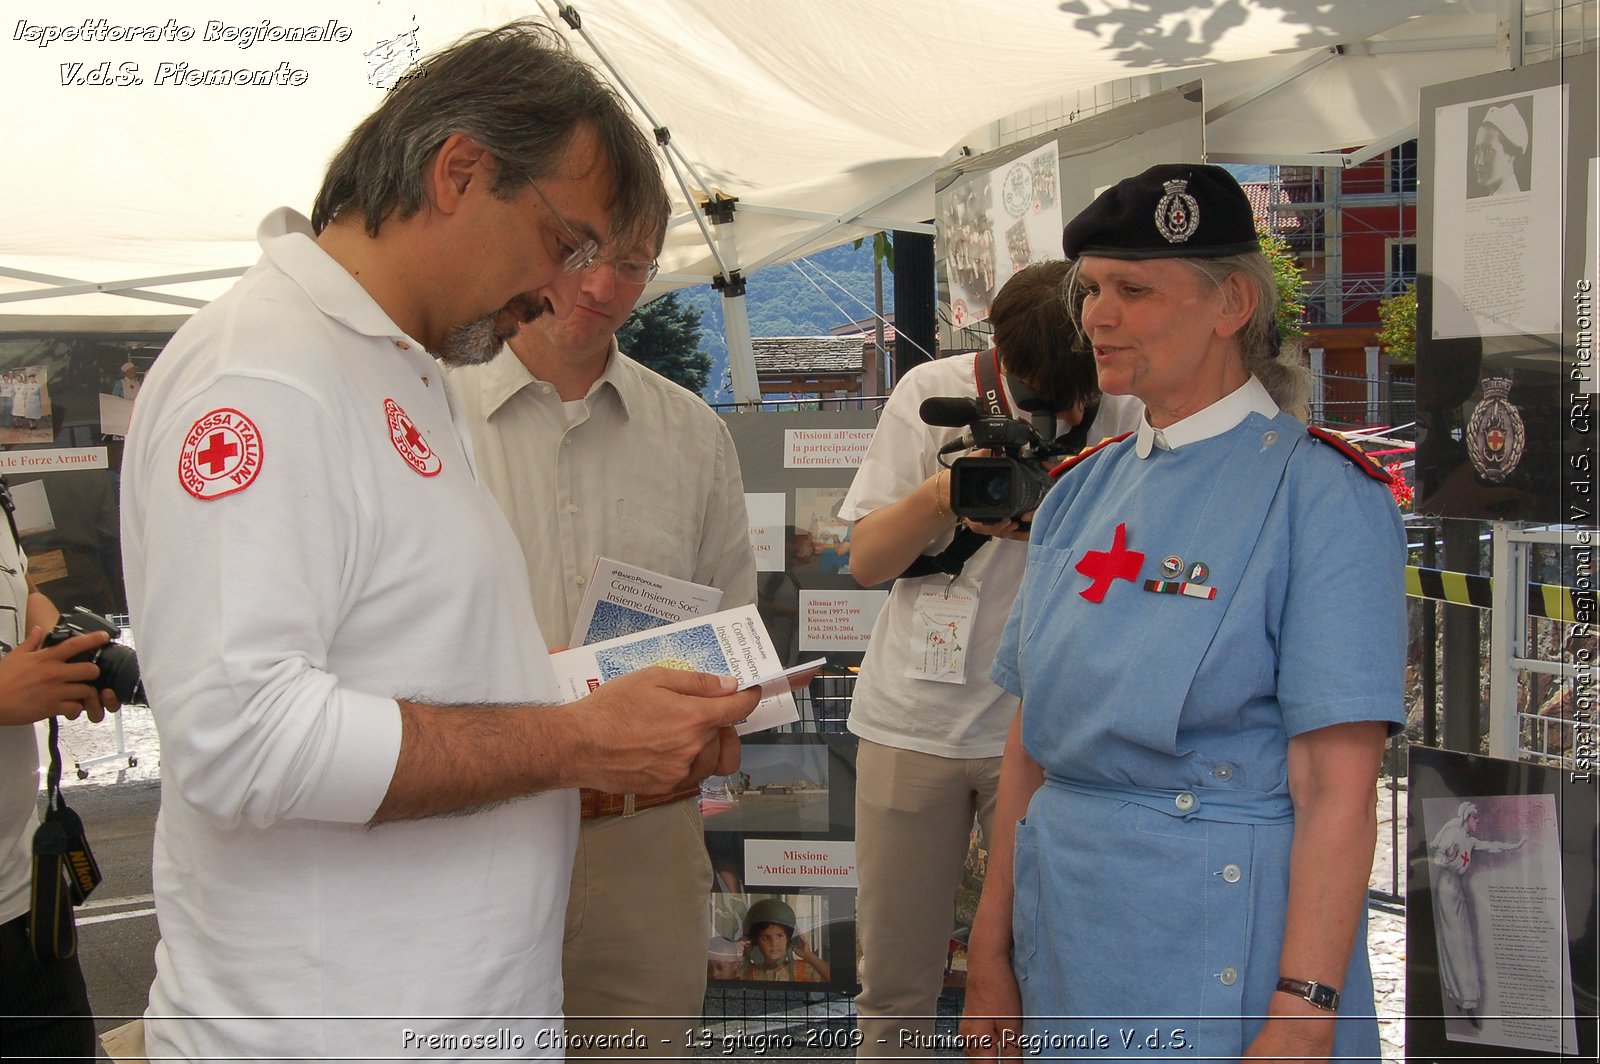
(221, 455)
(403, 433)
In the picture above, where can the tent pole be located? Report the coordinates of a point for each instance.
(1511, 36)
(735, 314)
(570, 15)
(741, 352)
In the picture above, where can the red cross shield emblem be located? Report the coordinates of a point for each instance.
(409, 441)
(221, 455)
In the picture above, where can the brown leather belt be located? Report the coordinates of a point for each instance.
(596, 804)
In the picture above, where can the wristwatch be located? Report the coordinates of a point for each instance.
(1320, 995)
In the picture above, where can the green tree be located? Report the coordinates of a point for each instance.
(882, 248)
(1291, 286)
(665, 335)
(1398, 335)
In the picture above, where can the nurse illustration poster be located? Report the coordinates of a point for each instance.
(1494, 863)
(1502, 911)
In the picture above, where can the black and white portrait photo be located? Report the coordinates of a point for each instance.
(1502, 139)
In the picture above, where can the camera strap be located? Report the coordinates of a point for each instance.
(950, 560)
(10, 507)
(64, 869)
(991, 393)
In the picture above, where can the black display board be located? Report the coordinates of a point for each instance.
(1506, 370)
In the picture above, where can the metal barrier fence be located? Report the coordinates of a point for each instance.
(1338, 400)
(766, 1021)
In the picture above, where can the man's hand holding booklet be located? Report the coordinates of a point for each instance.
(635, 606)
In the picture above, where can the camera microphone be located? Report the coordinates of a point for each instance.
(948, 411)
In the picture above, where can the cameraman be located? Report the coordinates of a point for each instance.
(44, 1003)
(931, 725)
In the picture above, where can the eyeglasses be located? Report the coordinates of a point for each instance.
(630, 270)
(584, 251)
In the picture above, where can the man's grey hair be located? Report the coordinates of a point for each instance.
(1265, 357)
(518, 92)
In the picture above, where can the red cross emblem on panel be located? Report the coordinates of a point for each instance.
(221, 455)
(1104, 566)
(409, 441)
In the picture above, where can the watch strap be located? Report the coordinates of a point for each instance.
(1320, 995)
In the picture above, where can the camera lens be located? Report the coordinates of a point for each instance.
(995, 490)
(119, 671)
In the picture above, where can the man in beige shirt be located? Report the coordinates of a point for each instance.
(591, 454)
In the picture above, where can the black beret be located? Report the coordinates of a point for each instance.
(1171, 211)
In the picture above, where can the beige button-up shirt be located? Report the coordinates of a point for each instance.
(645, 472)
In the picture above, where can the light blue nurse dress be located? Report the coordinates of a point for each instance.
(1250, 588)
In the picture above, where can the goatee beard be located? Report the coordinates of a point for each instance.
(471, 344)
(480, 341)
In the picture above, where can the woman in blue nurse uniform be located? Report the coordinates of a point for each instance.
(1208, 646)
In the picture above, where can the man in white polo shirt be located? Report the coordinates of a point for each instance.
(337, 654)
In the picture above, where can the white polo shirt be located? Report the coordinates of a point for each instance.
(305, 540)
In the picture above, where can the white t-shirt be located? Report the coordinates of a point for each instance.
(305, 540)
(19, 749)
(929, 716)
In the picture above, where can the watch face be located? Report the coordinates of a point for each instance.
(1323, 997)
(1318, 994)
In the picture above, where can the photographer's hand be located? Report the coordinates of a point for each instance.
(998, 529)
(37, 682)
(887, 540)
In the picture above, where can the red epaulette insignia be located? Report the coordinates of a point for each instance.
(1367, 465)
(1068, 463)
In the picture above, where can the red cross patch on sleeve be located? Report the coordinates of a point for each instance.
(221, 455)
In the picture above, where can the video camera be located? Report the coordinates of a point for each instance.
(1010, 482)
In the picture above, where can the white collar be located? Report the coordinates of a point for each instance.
(505, 375)
(287, 239)
(1249, 398)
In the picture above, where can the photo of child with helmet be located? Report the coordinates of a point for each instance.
(774, 952)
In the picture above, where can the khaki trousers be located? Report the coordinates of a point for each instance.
(914, 815)
(637, 925)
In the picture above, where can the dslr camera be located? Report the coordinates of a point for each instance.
(1010, 482)
(119, 668)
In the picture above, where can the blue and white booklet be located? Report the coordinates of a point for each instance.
(623, 599)
(727, 643)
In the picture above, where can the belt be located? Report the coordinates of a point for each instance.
(596, 804)
(1197, 803)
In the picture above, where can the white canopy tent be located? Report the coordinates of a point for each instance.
(823, 119)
